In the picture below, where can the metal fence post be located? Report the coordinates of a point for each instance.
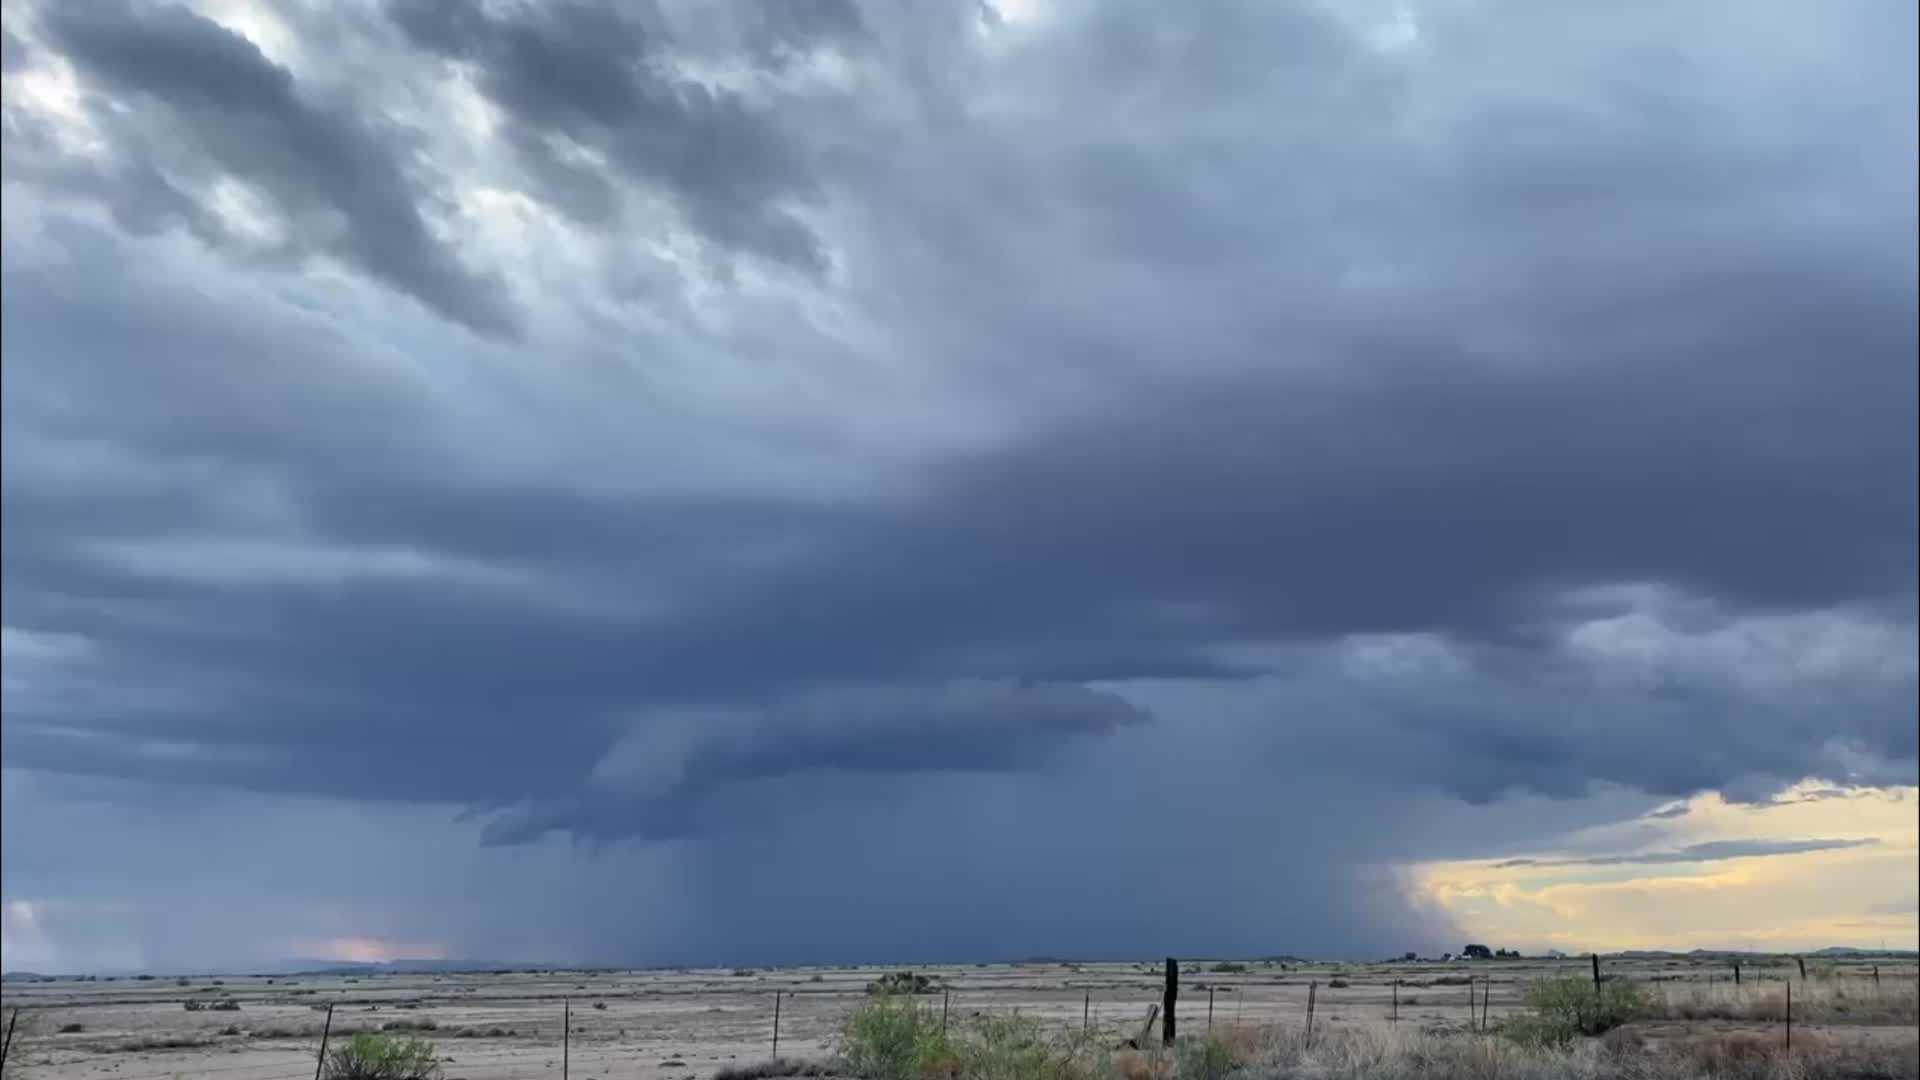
(325, 1031)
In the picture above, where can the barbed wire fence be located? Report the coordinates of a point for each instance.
(596, 1042)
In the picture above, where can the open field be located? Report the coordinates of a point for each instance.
(678, 1025)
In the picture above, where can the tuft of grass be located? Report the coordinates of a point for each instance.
(1014, 1048)
(368, 1056)
(71, 1029)
(1205, 1058)
(893, 1038)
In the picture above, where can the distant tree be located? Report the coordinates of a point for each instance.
(1477, 952)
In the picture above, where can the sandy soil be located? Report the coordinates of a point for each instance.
(683, 1025)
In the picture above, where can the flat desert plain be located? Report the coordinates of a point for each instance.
(685, 1024)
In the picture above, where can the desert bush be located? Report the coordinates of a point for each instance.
(368, 1056)
(902, 982)
(1566, 1008)
(424, 1023)
(1229, 967)
(225, 1005)
(892, 1038)
(72, 1029)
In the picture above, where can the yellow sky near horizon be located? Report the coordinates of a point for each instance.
(1645, 884)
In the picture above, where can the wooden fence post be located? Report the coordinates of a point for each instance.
(8, 1045)
(1736, 973)
(1802, 961)
(1168, 999)
(776, 1024)
(319, 1062)
(1473, 1022)
(1086, 1011)
(1396, 1001)
(1486, 1002)
(566, 1036)
(1789, 1016)
(1596, 971)
(1312, 989)
(945, 996)
(1210, 991)
(1876, 976)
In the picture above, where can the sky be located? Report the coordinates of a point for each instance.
(677, 482)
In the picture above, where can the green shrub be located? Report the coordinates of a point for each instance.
(892, 1038)
(1566, 1008)
(378, 1057)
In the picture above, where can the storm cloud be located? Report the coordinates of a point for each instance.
(709, 430)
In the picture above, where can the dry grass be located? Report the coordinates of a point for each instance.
(781, 1067)
(1382, 1053)
(1815, 1002)
(1010, 1049)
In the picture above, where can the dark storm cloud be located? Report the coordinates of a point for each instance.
(1327, 391)
(13, 51)
(243, 116)
(667, 761)
(597, 77)
(1710, 851)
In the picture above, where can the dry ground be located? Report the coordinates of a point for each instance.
(683, 1025)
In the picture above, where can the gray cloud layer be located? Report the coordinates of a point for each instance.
(886, 407)
(335, 177)
(1710, 851)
